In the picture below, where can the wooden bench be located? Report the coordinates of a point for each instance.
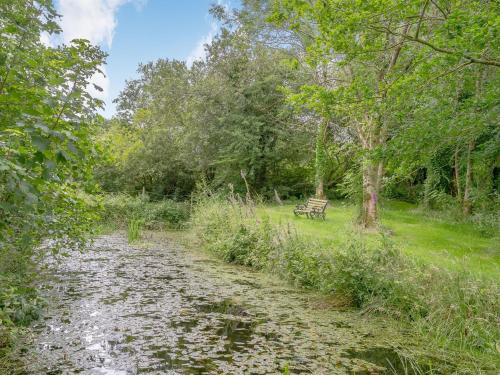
(314, 208)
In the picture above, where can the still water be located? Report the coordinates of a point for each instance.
(157, 308)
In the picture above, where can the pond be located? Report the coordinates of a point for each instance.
(157, 308)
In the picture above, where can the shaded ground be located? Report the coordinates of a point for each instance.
(159, 309)
(434, 240)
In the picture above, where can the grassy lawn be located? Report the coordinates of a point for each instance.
(432, 240)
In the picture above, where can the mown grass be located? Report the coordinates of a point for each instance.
(431, 239)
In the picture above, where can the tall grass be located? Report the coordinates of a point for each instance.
(134, 229)
(455, 309)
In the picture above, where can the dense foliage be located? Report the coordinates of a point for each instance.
(389, 66)
(119, 210)
(364, 99)
(217, 120)
(47, 119)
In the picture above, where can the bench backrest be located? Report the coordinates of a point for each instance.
(317, 204)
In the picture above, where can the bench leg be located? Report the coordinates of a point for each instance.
(298, 213)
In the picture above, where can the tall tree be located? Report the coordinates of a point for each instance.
(376, 48)
(220, 117)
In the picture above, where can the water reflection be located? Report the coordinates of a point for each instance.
(121, 309)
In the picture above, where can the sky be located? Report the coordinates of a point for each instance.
(135, 31)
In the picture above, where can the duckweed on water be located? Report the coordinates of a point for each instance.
(123, 315)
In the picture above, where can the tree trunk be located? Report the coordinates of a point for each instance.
(277, 198)
(428, 186)
(467, 202)
(456, 170)
(372, 136)
(320, 191)
(321, 159)
(369, 210)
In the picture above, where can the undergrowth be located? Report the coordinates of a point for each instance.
(120, 210)
(456, 310)
(19, 305)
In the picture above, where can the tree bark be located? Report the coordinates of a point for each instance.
(456, 168)
(371, 186)
(467, 202)
(320, 188)
(321, 160)
(371, 136)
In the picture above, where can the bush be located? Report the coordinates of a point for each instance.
(233, 232)
(120, 209)
(456, 309)
(19, 302)
(19, 306)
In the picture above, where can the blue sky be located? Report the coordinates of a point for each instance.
(134, 31)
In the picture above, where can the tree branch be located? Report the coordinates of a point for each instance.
(472, 59)
(439, 8)
(422, 13)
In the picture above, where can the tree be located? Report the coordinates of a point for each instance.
(375, 49)
(219, 117)
(448, 130)
(47, 119)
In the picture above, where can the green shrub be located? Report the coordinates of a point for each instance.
(234, 233)
(19, 306)
(301, 262)
(456, 309)
(119, 209)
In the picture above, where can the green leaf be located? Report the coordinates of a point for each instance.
(42, 144)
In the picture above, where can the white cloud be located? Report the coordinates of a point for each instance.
(90, 19)
(199, 52)
(45, 39)
(101, 80)
(94, 20)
